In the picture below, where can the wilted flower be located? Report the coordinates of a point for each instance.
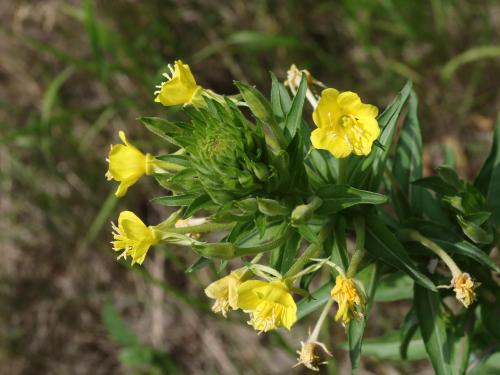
(127, 164)
(180, 87)
(225, 292)
(464, 286)
(132, 237)
(345, 124)
(270, 304)
(309, 355)
(349, 298)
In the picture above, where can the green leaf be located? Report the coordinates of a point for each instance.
(338, 197)
(356, 328)
(181, 160)
(488, 179)
(387, 347)
(200, 263)
(475, 232)
(175, 200)
(435, 183)
(469, 250)
(396, 287)
(163, 128)
(289, 251)
(339, 253)
(116, 326)
(366, 172)
(408, 164)
(383, 244)
(450, 177)
(433, 329)
(294, 116)
(310, 235)
(200, 203)
(280, 98)
(313, 302)
(407, 331)
(258, 104)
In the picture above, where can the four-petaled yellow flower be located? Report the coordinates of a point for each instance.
(350, 300)
(225, 292)
(180, 87)
(464, 286)
(132, 237)
(345, 124)
(127, 164)
(270, 304)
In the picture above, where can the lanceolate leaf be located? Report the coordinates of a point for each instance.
(356, 328)
(366, 172)
(338, 197)
(294, 116)
(175, 200)
(280, 99)
(165, 129)
(433, 329)
(407, 331)
(408, 164)
(384, 245)
(488, 180)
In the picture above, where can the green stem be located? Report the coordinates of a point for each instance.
(321, 319)
(167, 166)
(343, 166)
(435, 248)
(207, 227)
(311, 251)
(360, 252)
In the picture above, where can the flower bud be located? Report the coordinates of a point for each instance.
(222, 250)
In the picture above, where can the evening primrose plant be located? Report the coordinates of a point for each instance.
(326, 211)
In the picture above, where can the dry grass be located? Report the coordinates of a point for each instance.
(63, 97)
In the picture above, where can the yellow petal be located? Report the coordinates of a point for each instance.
(332, 141)
(327, 111)
(247, 298)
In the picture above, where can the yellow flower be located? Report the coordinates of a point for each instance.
(349, 299)
(127, 164)
(180, 87)
(270, 304)
(464, 286)
(309, 355)
(225, 292)
(345, 124)
(133, 237)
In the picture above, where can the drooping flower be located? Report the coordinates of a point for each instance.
(464, 286)
(132, 237)
(349, 299)
(180, 87)
(309, 355)
(270, 304)
(345, 124)
(225, 292)
(127, 164)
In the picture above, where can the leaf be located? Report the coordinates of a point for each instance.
(396, 287)
(469, 250)
(116, 326)
(387, 348)
(163, 128)
(339, 253)
(471, 55)
(488, 179)
(200, 203)
(258, 104)
(175, 200)
(310, 235)
(433, 329)
(293, 118)
(280, 98)
(436, 184)
(366, 172)
(289, 251)
(338, 197)
(181, 160)
(408, 164)
(383, 244)
(407, 331)
(475, 232)
(313, 302)
(200, 263)
(356, 328)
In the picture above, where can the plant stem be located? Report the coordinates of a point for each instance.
(311, 251)
(207, 227)
(324, 313)
(343, 165)
(435, 248)
(360, 252)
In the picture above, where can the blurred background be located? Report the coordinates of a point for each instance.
(72, 73)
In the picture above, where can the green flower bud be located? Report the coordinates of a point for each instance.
(303, 213)
(223, 250)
